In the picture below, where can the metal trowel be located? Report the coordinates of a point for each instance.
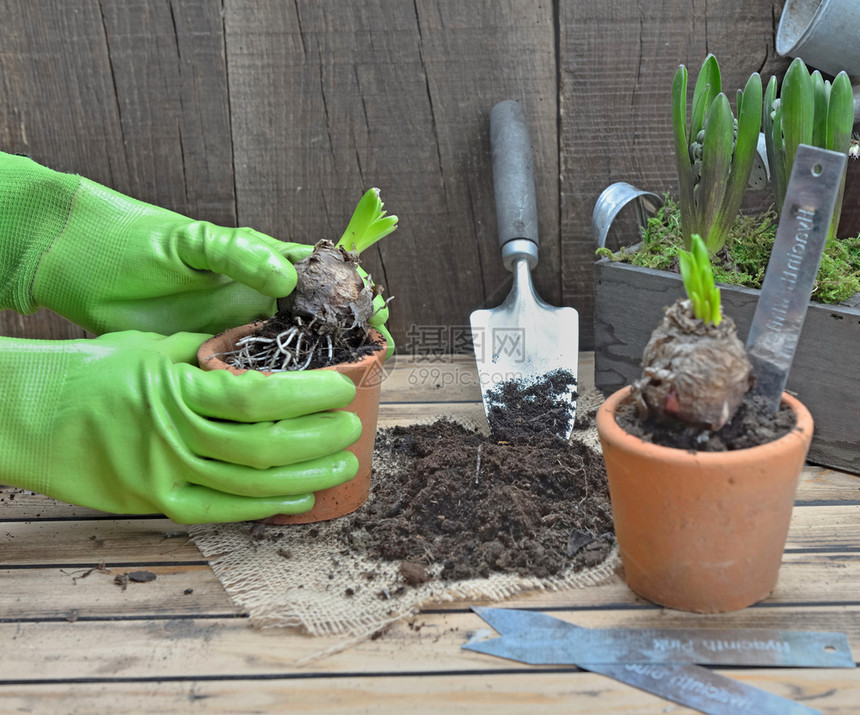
(524, 339)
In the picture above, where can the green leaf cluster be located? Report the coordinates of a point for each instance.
(698, 278)
(715, 153)
(368, 223)
(744, 258)
(809, 110)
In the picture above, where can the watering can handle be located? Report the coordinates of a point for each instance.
(513, 183)
(614, 198)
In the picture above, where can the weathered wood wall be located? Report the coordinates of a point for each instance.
(278, 115)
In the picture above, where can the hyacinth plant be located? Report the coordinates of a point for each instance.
(329, 312)
(714, 153)
(694, 368)
(809, 110)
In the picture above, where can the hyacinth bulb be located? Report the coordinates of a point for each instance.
(331, 290)
(692, 370)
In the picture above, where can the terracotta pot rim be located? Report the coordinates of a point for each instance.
(216, 363)
(611, 431)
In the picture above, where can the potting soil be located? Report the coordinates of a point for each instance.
(474, 505)
(752, 425)
(452, 515)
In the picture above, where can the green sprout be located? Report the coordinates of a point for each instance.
(368, 224)
(699, 281)
(810, 110)
(715, 154)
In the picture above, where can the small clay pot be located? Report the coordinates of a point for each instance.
(701, 531)
(366, 373)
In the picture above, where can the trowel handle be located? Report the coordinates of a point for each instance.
(514, 184)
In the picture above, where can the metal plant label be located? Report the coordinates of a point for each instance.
(800, 237)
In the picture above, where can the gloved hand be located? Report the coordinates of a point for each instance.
(109, 262)
(124, 423)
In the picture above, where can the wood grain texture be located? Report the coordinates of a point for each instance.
(550, 691)
(168, 65)
(219, 647)
(132, 95)
(326, 103)
(62, 591)
(98, 541)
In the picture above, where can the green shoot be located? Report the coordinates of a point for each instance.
(699, 281)
(715, 154)
(368, 223)
(810, 110)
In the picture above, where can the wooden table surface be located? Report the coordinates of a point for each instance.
(75, 641)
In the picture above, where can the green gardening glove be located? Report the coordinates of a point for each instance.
(109, 262)
(126, 424)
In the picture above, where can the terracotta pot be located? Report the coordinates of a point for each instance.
(701, 531)
(367, 376)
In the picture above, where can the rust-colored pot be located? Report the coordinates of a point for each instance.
(367, 376)
(701, 531)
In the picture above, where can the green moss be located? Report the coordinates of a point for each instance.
(743, 260)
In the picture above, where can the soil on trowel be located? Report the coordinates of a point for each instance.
(475, 505)
(520, 409)
(752, 425)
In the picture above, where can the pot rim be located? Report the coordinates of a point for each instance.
(611, 431)
(213, 362)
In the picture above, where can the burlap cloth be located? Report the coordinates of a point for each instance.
(311, 580)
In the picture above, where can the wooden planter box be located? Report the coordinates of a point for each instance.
(825, 375)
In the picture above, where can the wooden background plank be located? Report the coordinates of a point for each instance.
(279, 115)
(327, 101)
(133, 95)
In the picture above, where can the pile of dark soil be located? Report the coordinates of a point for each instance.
(752, 425)
(535, 507)
(521, 409)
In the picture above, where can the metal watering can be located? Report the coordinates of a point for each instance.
(825, 34)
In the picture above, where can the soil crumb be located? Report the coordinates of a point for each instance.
(522, 409)
(476, 505)
(753, 424)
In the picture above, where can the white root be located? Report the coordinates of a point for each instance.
(291, 350)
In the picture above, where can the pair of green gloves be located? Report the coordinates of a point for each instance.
(127, 422)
